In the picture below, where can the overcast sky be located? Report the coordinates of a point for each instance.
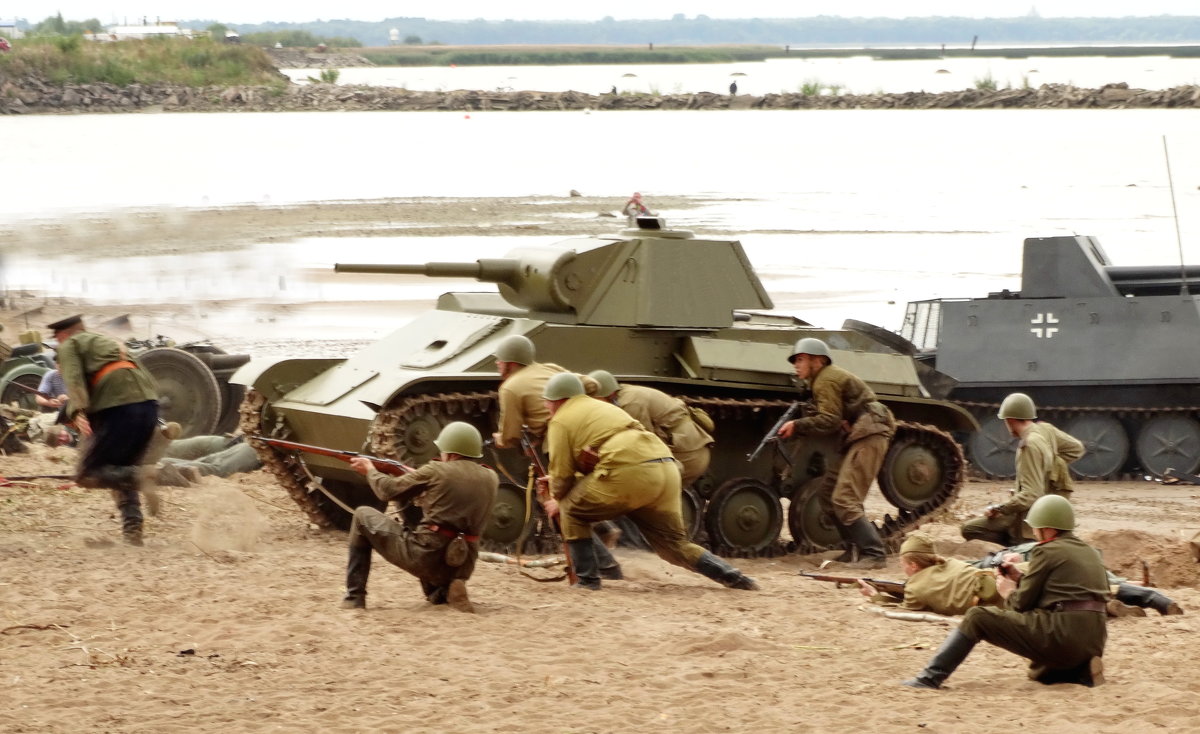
(241, 11)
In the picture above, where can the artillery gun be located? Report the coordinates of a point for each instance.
(655, 307)
(1107, 352)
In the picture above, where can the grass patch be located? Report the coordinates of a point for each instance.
(71, 60)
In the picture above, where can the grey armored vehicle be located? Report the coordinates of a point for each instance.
(654, 307)
(1108, 353)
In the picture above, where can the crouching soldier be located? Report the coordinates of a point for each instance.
(456, 496)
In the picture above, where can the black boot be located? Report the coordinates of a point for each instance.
(358, 568)
(1140, 596)
(719, 570)
(870, 546)
(129, 504)
(849, 550)
(955, 649)
(606, 565)
(585, 563)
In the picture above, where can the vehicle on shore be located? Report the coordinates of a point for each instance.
(1108, 353)
(653, 306)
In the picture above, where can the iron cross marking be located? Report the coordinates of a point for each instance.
(1045, 330)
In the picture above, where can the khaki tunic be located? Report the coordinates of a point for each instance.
(1062, 569)
(454, 494)
(86, 353)
(635, 476)
(952, 587)
(668, 418)
(1042, 458)
(842, 397)
(521, 402)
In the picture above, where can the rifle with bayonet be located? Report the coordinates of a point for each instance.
(894, 588)
(387, 466)
(530, 448)
(773, 434)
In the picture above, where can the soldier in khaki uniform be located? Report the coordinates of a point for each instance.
(633, 475)
(113, 402)
(1055, 613)
(1042, 458)
(522, 381)
(456, 496)
(847, 406)
(665, 416)
(936, 584)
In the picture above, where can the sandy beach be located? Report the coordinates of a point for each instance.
(228, 619)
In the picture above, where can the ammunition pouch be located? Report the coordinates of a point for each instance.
(874, 418)
(587, 459)
(457, 551)
(701, 418)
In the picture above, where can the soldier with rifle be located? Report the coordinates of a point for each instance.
(603, 463)
(846, 406)
(522, 380)
(1055, 611)
(456, 496)
(1042, 457)
(938, 584)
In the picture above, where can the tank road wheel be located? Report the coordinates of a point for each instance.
(1169, 442)
(415, 445)
(1104, 440)
(744, 515)
(187, 391)
(508, 516)
(912, 472)
(24, 399)
(693, 512)
(812, 527)
(993, 449)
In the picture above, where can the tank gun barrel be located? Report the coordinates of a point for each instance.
(493, 270)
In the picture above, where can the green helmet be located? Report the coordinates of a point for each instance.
(1019, 406)
(563, 385)
(1051, 511)
(607, 383)
(515, 348)
(460, 438)
(809, 345)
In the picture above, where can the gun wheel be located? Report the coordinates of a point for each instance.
(24, 399)
(188, 393)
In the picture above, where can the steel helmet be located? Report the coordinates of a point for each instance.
(918, 543)
(460, 438)
(515, 348)
(1019, 406)
(1051, 511)
(563, 385)
(607, 384)
(809, 345)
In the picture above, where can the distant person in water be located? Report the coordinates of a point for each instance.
(635, 208)
(732, 88)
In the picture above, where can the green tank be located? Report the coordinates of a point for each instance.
(655, 307)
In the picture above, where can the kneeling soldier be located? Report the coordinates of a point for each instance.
(456, 496)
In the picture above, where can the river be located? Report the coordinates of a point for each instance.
(848, 214)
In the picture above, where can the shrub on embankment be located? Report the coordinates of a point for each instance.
(63, 60)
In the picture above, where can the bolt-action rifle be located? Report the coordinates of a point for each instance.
(530, 448)
(895, 588)
(387, 466)
(773, 434)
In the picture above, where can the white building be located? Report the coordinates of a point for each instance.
(164, 29)
(9, 30)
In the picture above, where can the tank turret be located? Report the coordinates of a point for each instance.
(646, 280)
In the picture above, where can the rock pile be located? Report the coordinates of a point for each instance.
(30, 95)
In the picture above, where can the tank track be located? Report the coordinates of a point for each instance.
(392, 424)
(1059, 412)
(287, 468)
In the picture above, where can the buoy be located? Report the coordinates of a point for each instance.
(466, 117)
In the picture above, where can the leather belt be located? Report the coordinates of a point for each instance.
(451, 533)
(101, 373)
(1083, 605)
(659, 461)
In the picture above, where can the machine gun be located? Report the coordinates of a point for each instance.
(773, 434)
(387, 466)
(530, 448)
(894, 588)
